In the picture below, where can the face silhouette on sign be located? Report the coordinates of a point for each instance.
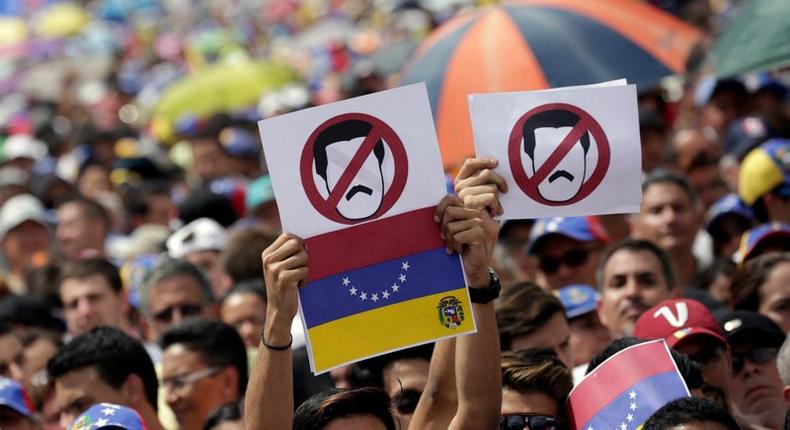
(333, 150)
(542, 135)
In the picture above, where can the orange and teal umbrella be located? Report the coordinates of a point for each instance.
(536, 44)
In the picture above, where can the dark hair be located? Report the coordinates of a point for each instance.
(91, 209)
(719, 267)
(370, 373)
(81, 269)
(114, 354)
(167, 268)
(637, 245)
(241, 258)
(217, 343)
(550, 118)
(523, 309)
(690, 410)
(339, 132)
(319, 410)
(749, 279)
(664, 176)
(689, 370)
(227, 412)
(537, 369)
(250, 286)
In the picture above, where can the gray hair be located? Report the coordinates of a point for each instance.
(783, 361)
(168, 267)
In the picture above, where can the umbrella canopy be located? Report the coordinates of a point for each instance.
(757, 39)
(536, 44)
(220, 88)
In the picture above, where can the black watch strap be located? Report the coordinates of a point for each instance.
(486, 295)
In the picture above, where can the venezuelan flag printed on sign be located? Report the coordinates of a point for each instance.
(626, 389)
(393, 286)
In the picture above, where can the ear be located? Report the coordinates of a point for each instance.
(786, 392)
(230, 383)
(133, 390)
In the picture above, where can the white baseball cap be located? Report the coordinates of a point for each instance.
(202, 234)
(19, 209)
(23, 146)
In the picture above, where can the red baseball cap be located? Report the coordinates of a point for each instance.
(676, 320)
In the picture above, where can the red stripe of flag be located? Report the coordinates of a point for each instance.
(373, 242)
(615, 375)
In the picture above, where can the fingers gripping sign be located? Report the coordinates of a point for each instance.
(285, 270)
(479, 186)
(465, 232)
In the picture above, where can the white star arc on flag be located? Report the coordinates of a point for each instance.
(375, 297)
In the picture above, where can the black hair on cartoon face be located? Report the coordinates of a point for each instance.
(554, 118)
(341, 132)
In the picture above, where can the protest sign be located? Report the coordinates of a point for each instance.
(565, 151)
(359, 181)
(623, 391)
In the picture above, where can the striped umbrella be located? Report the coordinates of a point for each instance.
(535, 44)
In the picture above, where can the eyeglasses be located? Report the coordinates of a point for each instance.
(573, 258)
(760, 355)
(406, 403)
(180, 382)
(186, 310)
(708, 357)
(529, 422)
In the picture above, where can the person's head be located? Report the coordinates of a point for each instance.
(542, 134)
(763, 239)
(716, 280)
(10, 347)
(38, 346)
(761, 285)
(93, 179)
(588, 335)
(535, 384)
(725, 221)
(210, 160)
(200, 242)
(334, 409)
(244, 308)
(529, 317)
(691, 413)
(92, 295)
(172, 291)
(24, 235)
(108, 416)
(783, 364)
(763, 183)
(261, 205)
(402, 374)
(689, 328)
(336, 144)
(632, 276)
(83, 225)
(103, 365)
(204, 366)
(653, 134)
(16, 409)
(567, 250)
(241, 258)
(756, 389)
(225, 417)
(721, 102)
(671, 212)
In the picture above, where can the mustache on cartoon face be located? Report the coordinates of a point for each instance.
(561, 174)
(358, 189)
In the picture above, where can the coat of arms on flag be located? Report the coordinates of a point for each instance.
(359, 180)
(626, 389)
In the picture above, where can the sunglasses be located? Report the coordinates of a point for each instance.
(761, 355)
(187, 310)
(708, 357)
(573, 258)
(529, 422)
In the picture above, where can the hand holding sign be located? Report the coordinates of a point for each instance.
(478, 186)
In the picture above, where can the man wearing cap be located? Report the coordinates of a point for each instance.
(260, 204)
(25, 238)
(763, 239)
(588, 335)
(725, 221)
(16, 410)
(689, 328)
(200, 243)
(567, 250)
(764, 183)
(755, 388)
(22, 151)
(108, 416)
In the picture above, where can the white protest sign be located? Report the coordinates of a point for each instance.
(564, 152)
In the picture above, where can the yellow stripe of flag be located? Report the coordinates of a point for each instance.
(388, 328)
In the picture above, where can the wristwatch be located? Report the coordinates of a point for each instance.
(486, 295)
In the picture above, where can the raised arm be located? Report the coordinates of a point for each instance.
(439, 400)
(269, 399)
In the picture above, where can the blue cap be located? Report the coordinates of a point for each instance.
(582, 229)
(108, 416)
(578, 299)
(239, 142)
(13, 396)
(730, 204)
(259, 191)
(753, 238)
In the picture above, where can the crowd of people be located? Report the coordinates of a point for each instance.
(146, 282)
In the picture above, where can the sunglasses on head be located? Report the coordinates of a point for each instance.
(572, 258)
(760, 355)
(186, 310)
(529, 422)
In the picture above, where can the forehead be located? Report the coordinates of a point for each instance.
(83, 382)
(664, 192)
(630, 261)
(176, 289)
(244, 299)
(178, 359)
(91, 283)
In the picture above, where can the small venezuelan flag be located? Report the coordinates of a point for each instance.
(379, 287)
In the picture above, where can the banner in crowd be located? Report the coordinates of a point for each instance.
(626, 389)
(571, 151)
(359, 181)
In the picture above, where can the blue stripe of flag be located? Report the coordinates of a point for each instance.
(382, 284)
(638, 402)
